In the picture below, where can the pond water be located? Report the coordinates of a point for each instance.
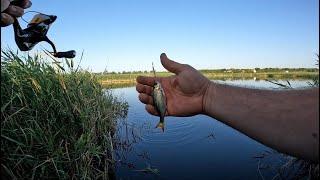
(197, 147)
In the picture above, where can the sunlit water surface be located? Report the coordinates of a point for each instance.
(197, 147)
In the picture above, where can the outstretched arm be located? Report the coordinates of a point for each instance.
(286, 120)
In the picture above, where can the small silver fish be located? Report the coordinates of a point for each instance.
(159, 100)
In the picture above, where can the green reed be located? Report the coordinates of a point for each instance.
(56, 120)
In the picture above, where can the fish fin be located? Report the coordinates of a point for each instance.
(160, 125)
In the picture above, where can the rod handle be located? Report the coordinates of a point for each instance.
(66, 54)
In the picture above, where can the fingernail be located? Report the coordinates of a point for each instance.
(163, 55)
(15, 11)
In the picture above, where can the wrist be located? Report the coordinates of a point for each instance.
(208, 98)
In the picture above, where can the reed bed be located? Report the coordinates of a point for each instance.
(56, 120)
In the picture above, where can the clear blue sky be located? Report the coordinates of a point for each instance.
(131, 34)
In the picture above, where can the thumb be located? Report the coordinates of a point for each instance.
(170, 65)
(4, 5)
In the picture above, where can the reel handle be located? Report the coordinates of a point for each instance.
(66, 54)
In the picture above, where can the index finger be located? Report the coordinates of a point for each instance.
(146, 80)
(14, 11)
(22, 3)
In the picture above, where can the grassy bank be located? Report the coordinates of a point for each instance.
(56, 122)
(129, 78)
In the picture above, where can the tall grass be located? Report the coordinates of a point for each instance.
(315, 80)
(56, 122)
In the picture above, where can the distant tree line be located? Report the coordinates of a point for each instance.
(259, 70)
(231, 70)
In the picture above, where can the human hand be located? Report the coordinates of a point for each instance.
(184, 91)
(11, 10)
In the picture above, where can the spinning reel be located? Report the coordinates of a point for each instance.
(36, 32)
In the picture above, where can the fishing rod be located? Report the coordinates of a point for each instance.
(36, 32)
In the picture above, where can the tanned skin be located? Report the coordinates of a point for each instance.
(286, 120)
(9, 11)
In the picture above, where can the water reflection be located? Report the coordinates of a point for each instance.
(197, 147)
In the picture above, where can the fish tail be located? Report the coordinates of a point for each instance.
(160, 125)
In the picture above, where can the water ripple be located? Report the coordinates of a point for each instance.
(177, 132)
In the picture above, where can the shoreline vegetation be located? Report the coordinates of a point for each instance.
(126, 79)
(56, 121)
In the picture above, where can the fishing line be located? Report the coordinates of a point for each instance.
(154, 72)
(30, 12)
